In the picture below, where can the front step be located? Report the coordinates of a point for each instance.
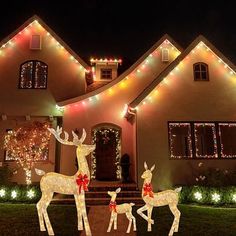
(97, 194)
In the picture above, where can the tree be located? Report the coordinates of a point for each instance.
(27, 145)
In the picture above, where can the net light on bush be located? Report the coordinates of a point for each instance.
(234, 197)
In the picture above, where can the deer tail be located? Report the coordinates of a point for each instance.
(40, 172)
(178, 190)
(132, 204)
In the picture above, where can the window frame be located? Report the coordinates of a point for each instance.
(194, 157)
(33, 74)
(200, 71)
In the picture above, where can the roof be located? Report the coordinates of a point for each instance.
(172, 66)
(124, 74)
(48, 29)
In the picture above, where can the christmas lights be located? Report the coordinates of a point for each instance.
(215, 197)
(28, 145)
(125, 208)
(74, 185)
(200, 141)
(198, 196)
(105, 132)
(174, 137)
(222, 127)
(163, 198)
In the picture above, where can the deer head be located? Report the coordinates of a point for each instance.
(82, 148)
(147, 174)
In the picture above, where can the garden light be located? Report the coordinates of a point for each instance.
(216, 197)
(198, 196)
(2, 192)
(13, 194)
(30, 194)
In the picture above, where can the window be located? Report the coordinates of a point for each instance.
(205, 140)
(200, 71)
(33, 74)
(227, 133)
(180, 140)
(202, 140)
(106, 73)
(165, 55)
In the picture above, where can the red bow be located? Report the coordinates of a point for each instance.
(82, 181)
(148, 190)
(112, 206)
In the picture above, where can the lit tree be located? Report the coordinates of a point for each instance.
(27, 145)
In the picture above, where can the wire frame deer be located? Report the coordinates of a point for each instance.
(125, 208)
(163, 198)
(74, 185)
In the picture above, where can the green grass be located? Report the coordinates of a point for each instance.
(22, 219)
(194, 221)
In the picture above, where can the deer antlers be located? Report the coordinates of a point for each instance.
(76, 141)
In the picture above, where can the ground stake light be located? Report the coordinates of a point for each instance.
(74, 185)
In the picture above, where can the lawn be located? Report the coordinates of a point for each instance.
(22, 219)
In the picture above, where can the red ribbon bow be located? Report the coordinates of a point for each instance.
(82, 181)
(148, 190)
(112, 206)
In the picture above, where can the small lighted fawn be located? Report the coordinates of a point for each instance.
(125, 208)
(74, 185)
(163, 198)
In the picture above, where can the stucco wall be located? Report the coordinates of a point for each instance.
(183, 99)
(107, 107)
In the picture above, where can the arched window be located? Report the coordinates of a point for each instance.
(200, 71)
(33, 75)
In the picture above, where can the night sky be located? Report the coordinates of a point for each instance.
(127, 29)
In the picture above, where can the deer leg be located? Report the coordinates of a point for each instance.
(134, 221)
(84, 215)
(79, 215)
(115, 221)
(149, 213)
(40, 214)
(140, 212)
(129, 217)
(175, 225)
(111, 221)
(47, 201)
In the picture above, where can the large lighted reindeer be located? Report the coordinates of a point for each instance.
(163, 198)
(125, 208)
(74, 185)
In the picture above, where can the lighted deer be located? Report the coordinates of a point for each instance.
(163, 198)
(75, 185)
(125, 208)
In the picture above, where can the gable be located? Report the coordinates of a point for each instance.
(204, 50)
(145, 69)
(66, 71)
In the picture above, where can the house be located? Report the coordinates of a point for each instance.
(172, 107)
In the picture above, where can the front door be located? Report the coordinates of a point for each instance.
(107, 153)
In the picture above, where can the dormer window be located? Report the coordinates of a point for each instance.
(33, 75)
(106, 74)
(200, 71)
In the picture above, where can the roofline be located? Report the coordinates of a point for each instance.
(47, 28)
(172, 65)
(124, 74)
